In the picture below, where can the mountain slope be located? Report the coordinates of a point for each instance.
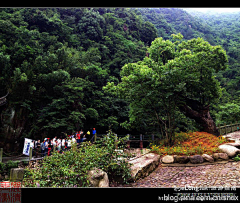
(173, 20)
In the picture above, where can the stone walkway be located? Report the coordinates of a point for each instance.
(225, 175)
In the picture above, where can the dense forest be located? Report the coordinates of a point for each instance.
(55, 63)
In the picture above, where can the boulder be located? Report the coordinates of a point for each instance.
(207, 158)
(222, 156)
(174, 157)
(144, 165)
(168, 159)
(196, 159)
(98, 178)
(231, 151)
(233, 144)
(182, 159)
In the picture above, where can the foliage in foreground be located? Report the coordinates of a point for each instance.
(70, 169)
(190, 144)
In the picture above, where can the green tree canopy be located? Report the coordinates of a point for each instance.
(178, 75)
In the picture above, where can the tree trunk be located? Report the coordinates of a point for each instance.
(193, 109)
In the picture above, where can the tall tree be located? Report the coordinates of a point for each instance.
(177, 75)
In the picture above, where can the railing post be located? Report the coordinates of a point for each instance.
(95, 137)
(128, 141)
(1, 154)
(30, 154)
(141, 142)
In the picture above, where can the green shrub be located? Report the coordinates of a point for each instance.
(7, 166)
(237, 158)
(2, 167)
(70, 168)
(10, 164)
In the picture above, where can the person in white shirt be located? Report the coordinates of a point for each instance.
(73, 141)
(69, 143)
(54, 142)
(63, 144)
(59, 144)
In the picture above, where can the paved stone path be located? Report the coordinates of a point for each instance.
(225, 175)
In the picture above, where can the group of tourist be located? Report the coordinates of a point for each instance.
(61, 143)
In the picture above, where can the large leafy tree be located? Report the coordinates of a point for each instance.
(54, 62)
(177, 75)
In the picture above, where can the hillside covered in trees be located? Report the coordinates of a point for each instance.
(55, 63)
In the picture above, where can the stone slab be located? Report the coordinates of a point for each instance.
(16, 174)
(144, 165)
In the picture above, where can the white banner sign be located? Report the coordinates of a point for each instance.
(27, 145)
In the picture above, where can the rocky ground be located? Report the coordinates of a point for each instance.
(225, 175)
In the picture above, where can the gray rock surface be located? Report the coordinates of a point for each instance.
(182, 159)
(98, 178)
(196, 159)
(208, 158)
(222, 156)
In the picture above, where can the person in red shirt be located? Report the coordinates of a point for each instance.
(78, 137)
(49, 146)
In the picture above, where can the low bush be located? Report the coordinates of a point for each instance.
(6, 167)
(190, 144)
(2, 167)
(237, 158)
(70, 168)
